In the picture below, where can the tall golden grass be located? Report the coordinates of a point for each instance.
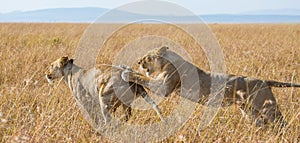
(33, 111)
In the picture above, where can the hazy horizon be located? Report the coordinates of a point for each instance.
(197, 7)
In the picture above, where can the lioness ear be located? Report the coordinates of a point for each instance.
(63, 61)
(161, 51)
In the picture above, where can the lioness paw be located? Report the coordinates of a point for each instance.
(126, 75)
(125, 67)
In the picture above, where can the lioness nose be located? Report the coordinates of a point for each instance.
(49, 76)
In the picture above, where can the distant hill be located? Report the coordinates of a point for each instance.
(90, 14)
(87, 14)
(273, 12)
(252, 18)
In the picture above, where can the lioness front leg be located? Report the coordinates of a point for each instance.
(130, 76)
(158, 86)
(143, 93)
(105, 109)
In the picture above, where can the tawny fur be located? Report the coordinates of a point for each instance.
(96, 89)
(164, 71)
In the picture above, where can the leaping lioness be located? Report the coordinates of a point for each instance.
(253, 95)
(95, 89)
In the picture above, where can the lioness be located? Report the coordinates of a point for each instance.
(162, 77)
(95, 89)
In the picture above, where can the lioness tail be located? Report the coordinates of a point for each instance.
(281, 84)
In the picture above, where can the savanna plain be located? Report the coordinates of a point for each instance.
(31, 110)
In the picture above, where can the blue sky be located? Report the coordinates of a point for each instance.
(196, 6)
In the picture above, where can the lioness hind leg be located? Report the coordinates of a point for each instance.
(269, 113)
(128, 111)
(264, 106)
(257, 118)
(115, 106)
(272, 113)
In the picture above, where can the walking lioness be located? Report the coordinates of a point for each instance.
(96, 89)
(253, 95)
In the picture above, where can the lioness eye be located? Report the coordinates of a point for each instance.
(149, 58)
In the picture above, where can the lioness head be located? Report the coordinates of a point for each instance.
(56, 69)
(153, 61)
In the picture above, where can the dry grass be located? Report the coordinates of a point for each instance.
(32, 111)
